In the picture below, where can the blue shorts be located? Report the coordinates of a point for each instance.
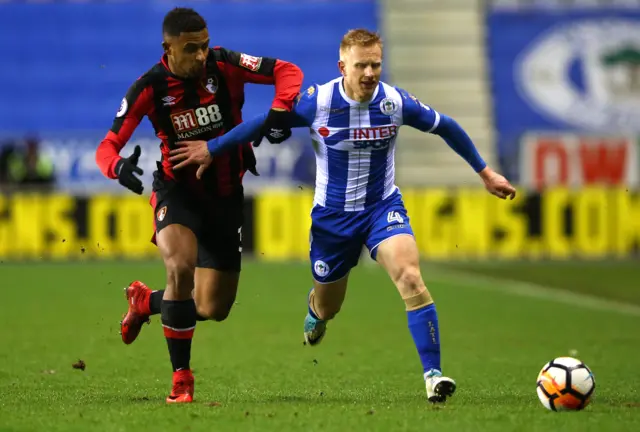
(337, 236)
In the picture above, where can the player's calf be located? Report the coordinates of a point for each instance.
(399, 256)
(314, 326)
(178, 247)
(423, 326)
(215, 292)
(324, 302)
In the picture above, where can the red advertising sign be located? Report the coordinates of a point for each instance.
(572, 160)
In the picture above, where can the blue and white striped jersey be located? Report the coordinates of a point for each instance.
(355, 142)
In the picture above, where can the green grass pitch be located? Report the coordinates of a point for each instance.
(254, 374)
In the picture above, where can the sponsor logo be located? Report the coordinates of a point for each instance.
(184, 120)
(373, 133)
(190, 123)
(168, 100)
(124, 105)
(376, 138)
(250, 62)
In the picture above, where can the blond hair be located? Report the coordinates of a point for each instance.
(359, 37)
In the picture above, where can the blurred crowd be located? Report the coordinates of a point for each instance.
(22, 164)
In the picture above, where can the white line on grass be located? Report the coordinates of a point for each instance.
(531, 290)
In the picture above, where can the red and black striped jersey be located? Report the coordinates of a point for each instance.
(199, 109)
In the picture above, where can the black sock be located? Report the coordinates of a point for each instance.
(155, 304)
(179, 323)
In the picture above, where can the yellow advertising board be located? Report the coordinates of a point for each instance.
(58, 226)
(471, 224)
(449, 224)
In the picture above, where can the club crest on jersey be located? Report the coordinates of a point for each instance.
(212, 85)
(124, 105)
(311, 90)
(250, 62)
(388, 106)
(321, 268)
(161, 213)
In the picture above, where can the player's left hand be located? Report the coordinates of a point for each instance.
(276, 128)
(191, 153)
(497, 185)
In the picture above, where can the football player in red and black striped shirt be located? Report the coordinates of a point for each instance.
(194, 92)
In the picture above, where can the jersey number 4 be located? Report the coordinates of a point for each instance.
(394, 216)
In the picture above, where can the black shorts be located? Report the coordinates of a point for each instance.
(217, 225)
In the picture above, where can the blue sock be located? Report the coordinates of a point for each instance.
(423, 324)
(311, 312)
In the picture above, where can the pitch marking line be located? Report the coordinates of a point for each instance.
(531, 290)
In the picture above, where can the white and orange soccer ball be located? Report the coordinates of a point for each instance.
(565, 383)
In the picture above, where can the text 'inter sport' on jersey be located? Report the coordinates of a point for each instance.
(354, 142)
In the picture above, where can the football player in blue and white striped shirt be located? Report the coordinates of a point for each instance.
(354, 122)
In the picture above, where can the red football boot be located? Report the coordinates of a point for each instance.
(182, 391)
(137, 295)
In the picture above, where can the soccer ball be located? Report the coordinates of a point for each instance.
(565, 383)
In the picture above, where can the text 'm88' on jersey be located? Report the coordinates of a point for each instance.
(202, 108)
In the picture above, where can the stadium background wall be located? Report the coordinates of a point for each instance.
(449, 224)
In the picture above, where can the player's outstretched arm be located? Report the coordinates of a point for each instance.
(456, 137)
(251, 130)
(134, 106)
(201, 152)
(287, 78)
(424, 118)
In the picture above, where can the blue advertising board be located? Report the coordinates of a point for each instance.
(563, 71)
(66, 87)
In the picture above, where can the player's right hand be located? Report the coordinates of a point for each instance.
(126, 170)
(276, 127)
(497, 185)
(191, 153)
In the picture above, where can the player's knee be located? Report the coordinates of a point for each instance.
(180, 273)
(409, 281)
(213, 311)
